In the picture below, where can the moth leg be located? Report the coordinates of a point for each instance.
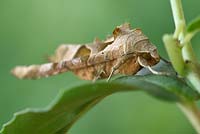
(117, 65)
(156, 72)
(144, 64)
(98, 75)
(112, 72)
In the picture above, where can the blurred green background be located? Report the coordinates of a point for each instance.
(30, 30)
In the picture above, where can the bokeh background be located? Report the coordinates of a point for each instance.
(30, 30)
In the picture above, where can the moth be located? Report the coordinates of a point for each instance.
(125, 52)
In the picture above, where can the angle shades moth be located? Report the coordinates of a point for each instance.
(125, 52)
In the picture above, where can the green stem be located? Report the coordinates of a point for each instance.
(193, 74)
(187, 52)
(192, 113)
(191, 66)
(194, 79)
(179, 18)
(177, 11)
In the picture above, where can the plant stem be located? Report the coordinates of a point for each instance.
(179, 18)
(191, 66)
(177, 11)
(192, 113)
(187, 52)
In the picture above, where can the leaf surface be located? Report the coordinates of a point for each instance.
(194, 25)
(72, 103)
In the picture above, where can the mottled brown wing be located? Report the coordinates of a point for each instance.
(72, 51)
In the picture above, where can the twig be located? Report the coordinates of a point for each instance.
(191, 111)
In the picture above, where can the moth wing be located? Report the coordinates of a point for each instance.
(65, 51)
(97, 46)
(118, 39)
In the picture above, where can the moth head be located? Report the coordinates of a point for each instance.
(147, 51)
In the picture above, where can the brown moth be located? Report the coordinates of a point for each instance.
(125, 52)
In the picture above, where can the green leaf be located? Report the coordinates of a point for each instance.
(192, 29)
(194, 25)
(72, 103)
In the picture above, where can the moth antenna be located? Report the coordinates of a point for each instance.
(38, 71)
